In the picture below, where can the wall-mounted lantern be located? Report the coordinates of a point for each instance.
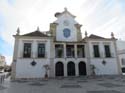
(33, 63)
(104, 62)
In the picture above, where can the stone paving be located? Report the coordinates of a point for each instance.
(104, 84)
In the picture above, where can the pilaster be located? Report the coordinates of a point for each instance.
(65, 69)
(117, 59)
(75, 49)
(34, 49)
(76, 69)
(88, 56)
(64, 46)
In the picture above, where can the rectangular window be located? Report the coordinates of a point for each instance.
(80, 51)
(41, 50)
(59, 52)
(27, 50)
(70, 51)
(96, 51)
(107, 51)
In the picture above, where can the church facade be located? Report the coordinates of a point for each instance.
(62, 51)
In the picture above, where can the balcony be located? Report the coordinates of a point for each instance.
(70, 52)
(59, 51)
(80, 51)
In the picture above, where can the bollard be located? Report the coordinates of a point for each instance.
(2, 77)
(0, 80)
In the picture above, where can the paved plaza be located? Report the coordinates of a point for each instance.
(104, 84)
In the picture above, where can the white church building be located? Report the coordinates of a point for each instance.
(63, 51)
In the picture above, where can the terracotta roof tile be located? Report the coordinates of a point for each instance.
(36, 33)
(92, 36)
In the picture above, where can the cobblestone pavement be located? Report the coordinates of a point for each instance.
(104, 84)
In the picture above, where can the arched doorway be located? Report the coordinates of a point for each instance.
(82, 68)
(71, 69)
(59, 69)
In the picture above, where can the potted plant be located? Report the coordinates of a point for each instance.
(46, 70)
(93, 69)
(60, 53)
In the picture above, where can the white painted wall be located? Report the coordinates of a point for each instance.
(61, 26)
(24, 69)
(110, 68)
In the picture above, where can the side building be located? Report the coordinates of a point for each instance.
(121, 54)
(2, 62)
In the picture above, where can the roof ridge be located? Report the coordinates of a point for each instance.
(36, 33)
(96, 36)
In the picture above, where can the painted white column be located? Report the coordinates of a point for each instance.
(20, 49)
(51, 60)
(117, 58)
(76, 69)
(16, 49)
(112, 50)
(65, 69)
(64, 46)
(101, 50)
(88, 50)
(65, 63)
(88, 69)
(47, 49)
(75, 49)
(34, 49)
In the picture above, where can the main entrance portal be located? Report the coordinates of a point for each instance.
(59, 69)
(71, 69)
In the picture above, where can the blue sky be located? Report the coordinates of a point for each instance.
(11, 2)
(100, 17)
(5, 48)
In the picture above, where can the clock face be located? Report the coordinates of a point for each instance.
(66, 32)
(66, 22)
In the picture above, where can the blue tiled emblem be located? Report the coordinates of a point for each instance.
(66, 32)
